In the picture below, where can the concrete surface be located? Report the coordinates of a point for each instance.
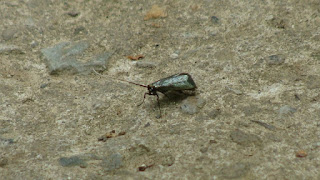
(255, 63)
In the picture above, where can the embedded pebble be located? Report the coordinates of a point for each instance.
(72, 161)
(275, 59)
(34, 44)
(214, 113)
(3, 161)
(192, 104)
(245, 139)
(79, 30)
(9, 33)
(73, 13)
(174, 56)
(114, 161)
(7, 49)
(313, 82)
(145, 64)
(235, 91)
(215, 19)
(235, 171)
(42, 86)
(265, 125)
(287, 110)
(6, 142)
(62, 58)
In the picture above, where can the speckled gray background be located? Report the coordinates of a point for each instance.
(255, 116)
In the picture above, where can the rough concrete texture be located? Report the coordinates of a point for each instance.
(255, 63)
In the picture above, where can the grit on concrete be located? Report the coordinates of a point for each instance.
(256, 65)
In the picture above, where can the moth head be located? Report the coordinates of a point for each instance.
(152, 90)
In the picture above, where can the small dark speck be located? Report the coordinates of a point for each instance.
(79, 30)
(147, 125)
(265, 125)
(44, 85)
(73, 14)
(215, 19)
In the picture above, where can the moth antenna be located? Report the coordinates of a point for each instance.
(119, 79)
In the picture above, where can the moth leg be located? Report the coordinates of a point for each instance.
(144, 97)
(159, 105)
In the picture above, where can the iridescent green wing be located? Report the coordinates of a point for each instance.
(181, 81)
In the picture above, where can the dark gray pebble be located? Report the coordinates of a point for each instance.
(275, 59)
(5, 141)
(215, 19)
(265, 125)
(44, 85)
(79, 30)
(3, 161)
(72, 161)
(73, 13)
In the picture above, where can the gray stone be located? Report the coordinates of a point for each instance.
(275, 59)
(244, 139)
(267, 126)
(9, 49)
(313, 82)
(42, 86)
(6, 142)
(79, 30)
(73, 13)
(166, 159)
(89, 156)
(235, 91)
(174, 55)
(34, 44)
(214, 113)
(62, 58)
(9, 33)
(146, 64)
(72, 161)
(287, 110)
(192, 104)
(112, 162)
(276, 22)
(189, 108)
(3, 161)
(215, 20)
(235, 171)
